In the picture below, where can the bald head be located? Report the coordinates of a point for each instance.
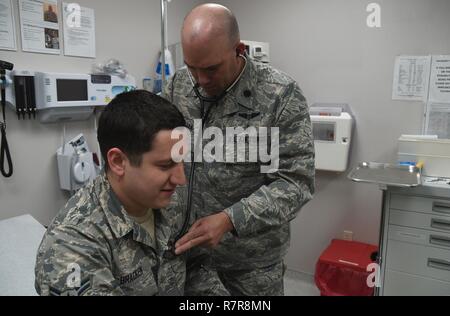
(209, 22)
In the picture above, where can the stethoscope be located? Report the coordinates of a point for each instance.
(204, 116)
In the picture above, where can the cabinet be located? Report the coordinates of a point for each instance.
(415, 237)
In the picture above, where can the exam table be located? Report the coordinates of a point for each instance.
(19, 241)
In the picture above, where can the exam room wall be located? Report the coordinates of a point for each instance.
(328, 48)
(128, 31)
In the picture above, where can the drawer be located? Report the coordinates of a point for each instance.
(420, 260)
(398, 283)
(420, 220)
(420, 204)
(419, 236)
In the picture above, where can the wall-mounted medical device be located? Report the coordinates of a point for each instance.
(76, 164)
(60, 97)
(4, 147)
(259, 51)
(63, 97)
(24, 94)
(332, 126)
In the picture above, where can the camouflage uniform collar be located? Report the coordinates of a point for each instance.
(241, 95)
(120, 222)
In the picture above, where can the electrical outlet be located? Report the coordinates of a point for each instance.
(348, 235)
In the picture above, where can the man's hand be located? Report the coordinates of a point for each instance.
(206, 231)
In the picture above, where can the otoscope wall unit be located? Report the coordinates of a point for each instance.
(61, 97)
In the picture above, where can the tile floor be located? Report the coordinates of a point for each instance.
(299, 284)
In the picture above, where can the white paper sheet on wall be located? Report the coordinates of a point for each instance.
(440, 79)
(7, 26)
(79, 31)
(411, 75)
(39, 26)
(438, 120)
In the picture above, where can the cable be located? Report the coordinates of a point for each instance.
(4, 141)
(99, 152)
(204, 116)
(64, 140)
(212, 101)
(5, 152)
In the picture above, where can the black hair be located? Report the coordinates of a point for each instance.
(131, 121)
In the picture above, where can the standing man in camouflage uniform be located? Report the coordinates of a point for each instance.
(111, 238)
(242, 214)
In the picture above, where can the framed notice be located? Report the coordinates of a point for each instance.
(39, 26)
(7, 26)
(79, 30)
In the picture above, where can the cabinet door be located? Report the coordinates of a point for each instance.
(436, 206)
(399, 283)
(420, 220)
(419, 236)
(420, 260)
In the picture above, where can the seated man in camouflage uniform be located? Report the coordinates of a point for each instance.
(111, 238)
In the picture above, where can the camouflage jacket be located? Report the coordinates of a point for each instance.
(260, 205)
(93, 247)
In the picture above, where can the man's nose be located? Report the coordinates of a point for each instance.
(178, 177)
(203, 78)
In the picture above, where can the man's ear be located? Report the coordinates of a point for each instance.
(116, 161)
(240, 49)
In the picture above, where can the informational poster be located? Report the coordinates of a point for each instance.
(438, 120)
(39, 25)
(411, 75)
(79, 31)
(440, 79)
(7, 26)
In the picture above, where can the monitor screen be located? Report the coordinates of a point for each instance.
(72, 89)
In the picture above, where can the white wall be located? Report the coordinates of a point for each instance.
(126, 30)
(327, 47)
